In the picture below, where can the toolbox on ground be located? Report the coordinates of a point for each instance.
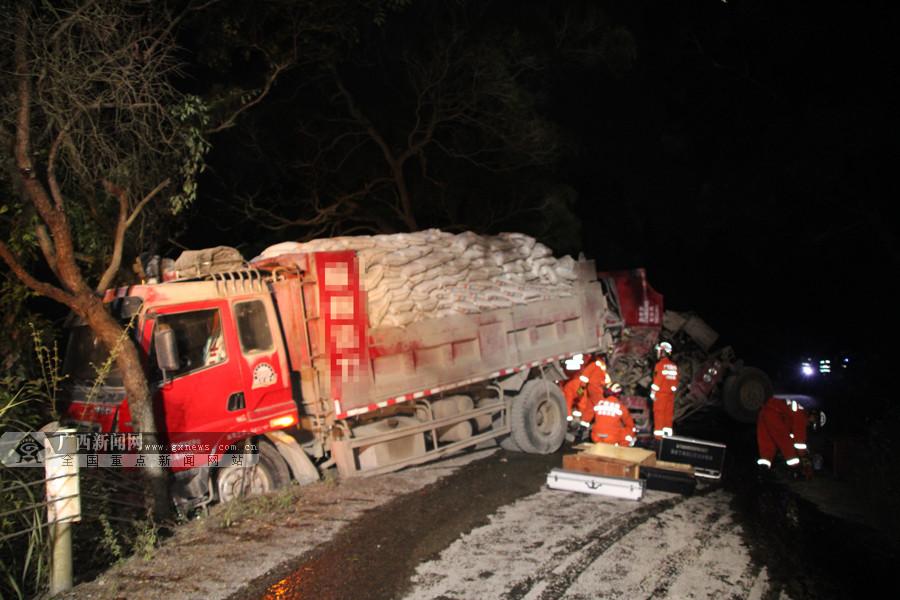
(669, 477)
(614, 487)
(707, 458)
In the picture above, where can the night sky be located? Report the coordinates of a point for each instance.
(748, 164)
(746, 156)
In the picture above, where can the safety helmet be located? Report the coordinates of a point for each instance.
(575, 362)
(663, 348)
(615, 389)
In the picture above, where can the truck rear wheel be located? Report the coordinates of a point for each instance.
(745, 392)
(269, 474)
(538, 417)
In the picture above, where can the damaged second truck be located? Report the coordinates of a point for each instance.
(366, 353)
(711, 376)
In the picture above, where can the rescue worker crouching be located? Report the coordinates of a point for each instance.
(662, 391)
(579, 408)
(612, 420)
(781, 427)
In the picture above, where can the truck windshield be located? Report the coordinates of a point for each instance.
(200, 340)
(85, 356)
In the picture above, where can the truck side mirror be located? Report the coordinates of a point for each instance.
(166, 348)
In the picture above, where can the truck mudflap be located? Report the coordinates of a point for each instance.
(599, 485)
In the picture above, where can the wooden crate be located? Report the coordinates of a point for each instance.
(591, 464)
(638, 456)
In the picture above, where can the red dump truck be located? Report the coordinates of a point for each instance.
(281, 352)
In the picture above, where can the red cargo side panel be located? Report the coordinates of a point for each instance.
(344, 318)
(639, 303)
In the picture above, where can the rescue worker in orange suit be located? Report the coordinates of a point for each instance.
(574, 390)
(781, 427)
(596, 370)
(662, 391)
(612, 420)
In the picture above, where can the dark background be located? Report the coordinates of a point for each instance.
(748, 164)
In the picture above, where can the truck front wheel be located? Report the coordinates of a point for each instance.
(745, 392)
(270, 473)
(538, 417)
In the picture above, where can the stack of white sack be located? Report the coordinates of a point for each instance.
(431, 274)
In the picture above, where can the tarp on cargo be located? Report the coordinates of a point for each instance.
(199, 263)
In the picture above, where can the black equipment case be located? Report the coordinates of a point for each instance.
(668, 480)
(707, 458)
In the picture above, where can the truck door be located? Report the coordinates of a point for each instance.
(267, 386)
(205, 394)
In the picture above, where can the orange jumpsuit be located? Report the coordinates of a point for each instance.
(612, 420)
(596, 371)
(663, 388)
(781, 425)
(575, 390)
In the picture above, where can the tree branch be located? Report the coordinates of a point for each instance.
(55, 191)
(55, 219)
(140, 205)
(124, 222)
(23, 116)
(42, 288)
(115, 260)
(47, 247)
(267, 87)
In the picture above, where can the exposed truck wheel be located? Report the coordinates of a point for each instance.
(269, 474)
(538, 417)
(745, 392)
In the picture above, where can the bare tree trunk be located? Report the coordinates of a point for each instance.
(140, 401)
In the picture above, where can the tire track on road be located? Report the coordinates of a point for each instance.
(674, 564)
(591, 548)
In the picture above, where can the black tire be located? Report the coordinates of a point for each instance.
(269, 474)
(744, 394)
(538, 417)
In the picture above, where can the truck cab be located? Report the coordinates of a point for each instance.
(215, 363)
